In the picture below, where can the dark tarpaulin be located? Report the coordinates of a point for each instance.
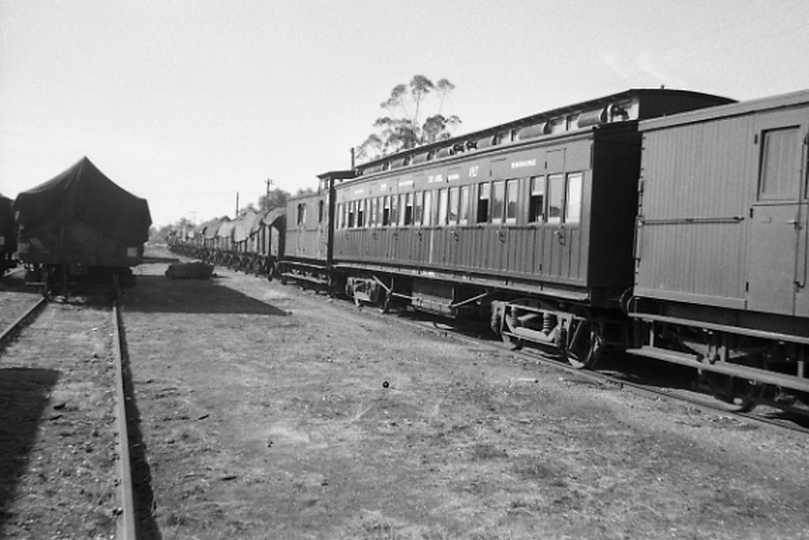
(82, 194)
(6, 221)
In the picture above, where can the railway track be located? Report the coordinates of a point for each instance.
(679, 385)
(64, 442)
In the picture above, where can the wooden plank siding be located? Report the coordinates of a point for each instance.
(700, 207)
(693, 232)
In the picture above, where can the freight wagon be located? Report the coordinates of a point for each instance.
(8, 235)
(80, 226)
(722, 245)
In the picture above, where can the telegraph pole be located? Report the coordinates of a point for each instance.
(269, 182)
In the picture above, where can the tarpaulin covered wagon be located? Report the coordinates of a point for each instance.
(81, 225)
(8, 240)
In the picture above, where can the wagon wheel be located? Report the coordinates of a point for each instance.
(584, 348)
(741, 393)
(507, 327)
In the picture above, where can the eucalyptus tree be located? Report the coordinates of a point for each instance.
(404, 126)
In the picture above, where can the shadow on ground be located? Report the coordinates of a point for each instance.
(158, 294)
(145, 523)
(23, 400)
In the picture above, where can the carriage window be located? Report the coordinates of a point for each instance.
(780, 162)
(351, 212)
(301, 213)
(385, 211)
(380, 217)
(372, 212)
(320, 211)
(361, 213)
(428, 208)
(453, 205)
(442, 207)
(536, 207)
(407, 215)
(555, 193)
(394, 215)
(512, 194)
(573, 198)
(463, 214)
(418, 206)
(498, 196)
(483, 202)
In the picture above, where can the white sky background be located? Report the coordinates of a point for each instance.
(186, 103)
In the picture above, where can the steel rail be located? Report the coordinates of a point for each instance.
(126, 529)
(709, 403)
(21, 320)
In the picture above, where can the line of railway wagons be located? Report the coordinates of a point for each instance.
(668, 224)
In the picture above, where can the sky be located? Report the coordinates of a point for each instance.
(190, 104)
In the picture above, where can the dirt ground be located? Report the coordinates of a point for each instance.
(266, 411)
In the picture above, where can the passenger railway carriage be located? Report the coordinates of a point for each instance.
(531, 221)
(309, 234)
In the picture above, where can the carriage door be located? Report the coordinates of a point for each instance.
(777, 264)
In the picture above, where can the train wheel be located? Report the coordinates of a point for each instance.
(511, 342)
(507, 326)
(584, 348)
(741, 393)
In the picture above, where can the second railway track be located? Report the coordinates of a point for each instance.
(63, 434)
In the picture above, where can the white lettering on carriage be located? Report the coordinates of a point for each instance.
(405, 183)
(524, 163)
(435, 178)
(454, 176)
